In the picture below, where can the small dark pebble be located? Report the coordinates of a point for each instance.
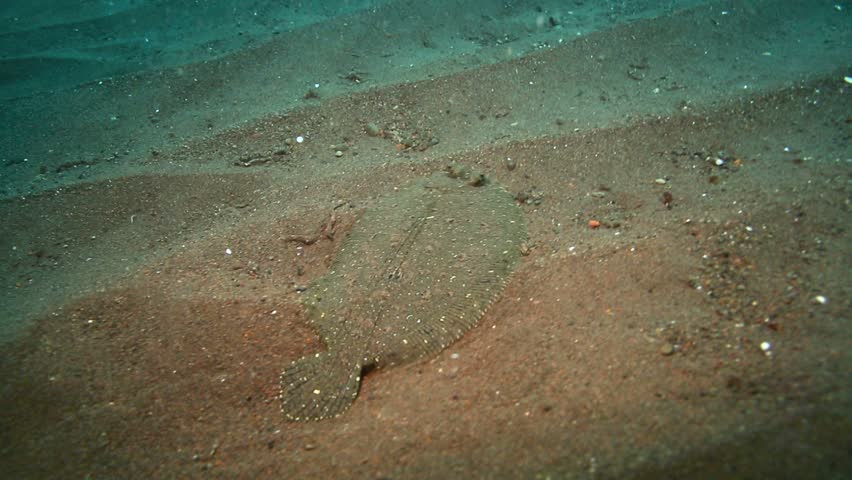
(312, 93)
(477, 179)
(734, 383)
(529, 197)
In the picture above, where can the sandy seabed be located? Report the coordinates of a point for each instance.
(681, 310)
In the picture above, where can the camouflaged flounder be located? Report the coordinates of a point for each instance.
(417, 271)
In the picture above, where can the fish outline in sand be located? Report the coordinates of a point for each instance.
(416, 272)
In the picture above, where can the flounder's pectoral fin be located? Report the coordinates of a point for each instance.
(319, 386)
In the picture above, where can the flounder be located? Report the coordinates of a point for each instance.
(416, 272)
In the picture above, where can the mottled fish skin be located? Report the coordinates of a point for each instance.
(417, 271)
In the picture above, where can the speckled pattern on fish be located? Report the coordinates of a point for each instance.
(417, 271)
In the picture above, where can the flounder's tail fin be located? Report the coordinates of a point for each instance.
(319, 386)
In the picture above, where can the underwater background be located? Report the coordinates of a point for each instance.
(177, 177)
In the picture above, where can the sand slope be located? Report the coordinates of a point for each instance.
(699, 331)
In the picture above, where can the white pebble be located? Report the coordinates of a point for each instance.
(765, 346)
(228, 251)
(300, 139)
(820, 299)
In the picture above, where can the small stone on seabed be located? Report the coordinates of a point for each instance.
(667, 349)
(820, 299)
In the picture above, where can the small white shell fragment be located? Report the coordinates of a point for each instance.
(228, 251)
(847, 79)
(300, 139)
(820, 299)
(719, 162)
(765, 346)
(660, 181)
